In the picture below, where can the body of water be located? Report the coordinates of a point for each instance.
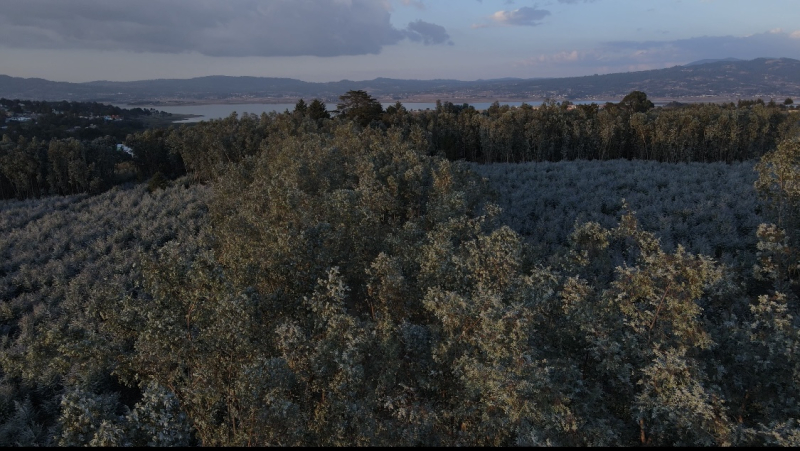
(219, 111)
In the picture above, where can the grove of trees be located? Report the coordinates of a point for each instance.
(632, 129)
(292, 279)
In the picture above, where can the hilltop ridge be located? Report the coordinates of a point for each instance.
(726, 79)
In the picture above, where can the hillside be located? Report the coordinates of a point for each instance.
(761, 77)
(340, 287)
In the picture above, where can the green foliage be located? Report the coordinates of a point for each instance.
(84, 121)
(66, 264)
(35, 168)
(21, 428)
(644, 335)
(346, 267)
(779, 185)
(779, 182)
(709, 208)
(301, 107)
(156, 182)
(551, 132)
(346, 286)
(636, 102)
(360, 107)
(632, 129)
(153, 153)
(317, 110)
(94, 420)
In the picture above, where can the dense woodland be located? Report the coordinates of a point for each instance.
(67, 147)
(616, 276)
(33, 165)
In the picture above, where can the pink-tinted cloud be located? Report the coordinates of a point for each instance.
(525, 16)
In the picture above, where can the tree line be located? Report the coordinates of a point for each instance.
(631, 129)
(34, 168)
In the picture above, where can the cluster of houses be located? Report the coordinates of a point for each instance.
(19, 119)
(112, 117)
(27, 117)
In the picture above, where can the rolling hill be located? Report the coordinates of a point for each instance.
(728, 78)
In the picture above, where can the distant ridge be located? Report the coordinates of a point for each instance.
(728, 78)
(710, 61)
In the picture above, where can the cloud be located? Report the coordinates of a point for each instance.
(210, 27)
(553, 58)
(773, 43)
(428, 33)
(632, 55)
(525, 16)
(415, 3)
(576, 1)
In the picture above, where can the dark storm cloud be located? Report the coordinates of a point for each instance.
(428, 33)
(209, 27)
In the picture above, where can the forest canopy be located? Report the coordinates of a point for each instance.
(299, 280)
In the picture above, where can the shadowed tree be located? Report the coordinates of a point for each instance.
(360, 107)
(317, 110)
(301, 107)
(636, 102)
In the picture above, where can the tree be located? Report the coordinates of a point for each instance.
(301, 107)
(788, 101)
(360, 107)
(779, 185)
(152, 153)
(397, 108)
(317, 110)
(636, 102)
(395, 115)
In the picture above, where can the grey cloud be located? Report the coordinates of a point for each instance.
(769, 44)
(415, 3)
(576, 1)
(210, 27)
(633, 55)
(526, 16)
(428, 33)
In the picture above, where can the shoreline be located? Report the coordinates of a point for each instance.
(434, 98)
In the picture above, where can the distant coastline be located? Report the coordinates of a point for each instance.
(761, 78)
(429, 99)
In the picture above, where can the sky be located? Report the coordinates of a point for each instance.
(331, 40)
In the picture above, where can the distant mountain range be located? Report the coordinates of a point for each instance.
(727, 78)
(707, 61)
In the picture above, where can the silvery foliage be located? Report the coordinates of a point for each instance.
(709, 208)
(100, 420)
(349, 289)
(65, 262)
